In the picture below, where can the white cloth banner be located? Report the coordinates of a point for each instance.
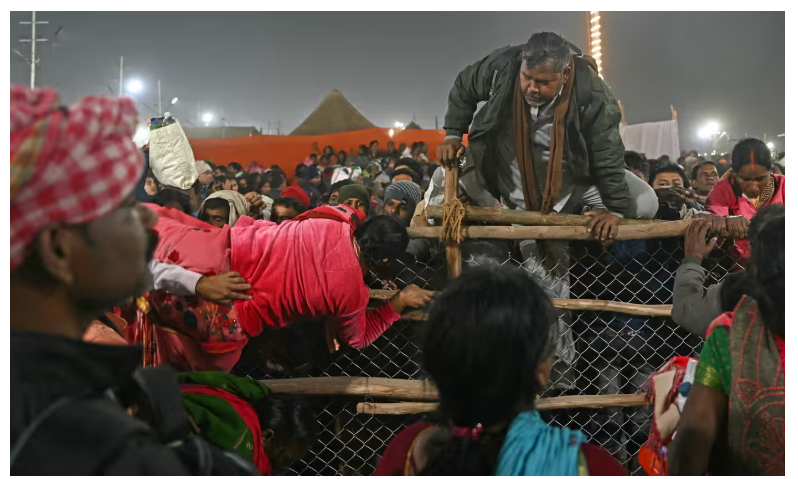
(653, 139)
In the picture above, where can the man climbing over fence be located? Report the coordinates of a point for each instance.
(546, 140)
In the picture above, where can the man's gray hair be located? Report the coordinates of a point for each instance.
(547, 46)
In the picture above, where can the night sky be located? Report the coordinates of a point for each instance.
(253, 68)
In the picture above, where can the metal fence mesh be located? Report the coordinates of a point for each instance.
(598, 352)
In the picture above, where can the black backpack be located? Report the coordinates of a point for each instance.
(40, 448)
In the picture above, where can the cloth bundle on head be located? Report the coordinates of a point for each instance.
(354, 191)
(239, 206)
(404, 191)
(202, 167)
(298, 193)
(349, 173)
(68, 165)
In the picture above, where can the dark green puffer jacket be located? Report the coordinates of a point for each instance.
(594, 150)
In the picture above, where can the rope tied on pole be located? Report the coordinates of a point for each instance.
(453, 214)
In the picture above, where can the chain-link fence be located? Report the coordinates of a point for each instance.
(598, 352)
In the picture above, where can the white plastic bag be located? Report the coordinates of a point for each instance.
(171, 157)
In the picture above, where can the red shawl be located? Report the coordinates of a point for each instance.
(247, 413)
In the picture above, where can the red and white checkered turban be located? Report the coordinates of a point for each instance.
(68, 165)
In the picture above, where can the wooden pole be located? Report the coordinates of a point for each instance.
(425, 391)
(657, 310)
(623, 113)
(522, 217)
(664, 229)
(562, 402)
(454, 265)
(356, 386)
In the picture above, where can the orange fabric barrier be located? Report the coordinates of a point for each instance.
(289, 151)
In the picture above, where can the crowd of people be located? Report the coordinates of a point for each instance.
(100, 262)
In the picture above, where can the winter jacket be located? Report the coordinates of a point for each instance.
(594, 150)
(692, 309)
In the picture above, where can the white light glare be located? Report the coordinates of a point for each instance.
(174, 100)
(207, 117)
(399, 124)
(134, 86)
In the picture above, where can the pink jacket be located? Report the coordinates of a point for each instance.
(305, 270)
(726, 199)
(300, 269)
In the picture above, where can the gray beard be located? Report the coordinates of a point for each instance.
(535, 104)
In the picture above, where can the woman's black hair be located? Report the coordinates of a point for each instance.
(767, 264)
(169, 195)
(276, 179)
(288, 202)
(244, 189)
(214, 204)
(751, 150)
(733, 288)
(636, 161)
(493, 324)
(381, 237)
(265, 179)
(290, 417)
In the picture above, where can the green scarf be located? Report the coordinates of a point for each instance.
(216, 420)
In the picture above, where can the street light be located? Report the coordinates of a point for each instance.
(174, 100)
(134, 86)
(207, 118)
(710, 129)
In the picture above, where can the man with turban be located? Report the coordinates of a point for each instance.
(80, 244)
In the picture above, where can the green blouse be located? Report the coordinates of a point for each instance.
(714, 364)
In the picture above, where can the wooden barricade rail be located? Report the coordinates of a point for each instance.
(423, 391)
(661, 310)
(562, 402)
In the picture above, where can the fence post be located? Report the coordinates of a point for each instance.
(453, 255)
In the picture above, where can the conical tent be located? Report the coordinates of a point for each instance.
(333, 115)
(413, 126)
